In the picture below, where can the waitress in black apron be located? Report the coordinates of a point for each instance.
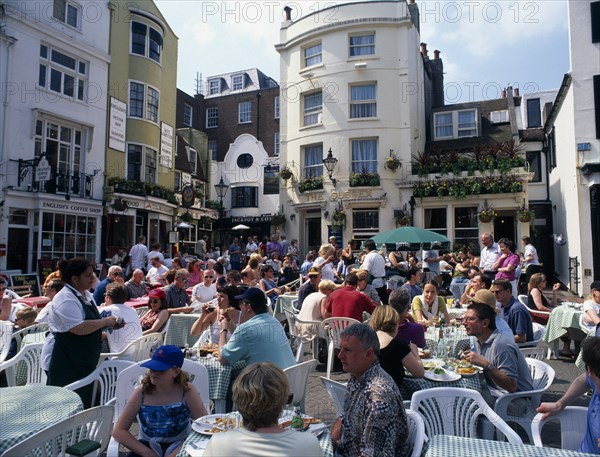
(77, 327)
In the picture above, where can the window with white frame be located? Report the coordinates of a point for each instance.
(245, 112)
(62, 142)
(277, 108)
(455, 124)
(244, 197)
(146, 41)
(141, 163)
(365, 223)
(499, 117)
(362, 45)
(436, 220)
(214, 86)
(192, 159)
(212, 117)
(67, 12)
(152, 102)
(313, 108)
(237, 82)
(69, 235)
(144, 101)
(276, 145)
(212, 148)
(62, 73)
(312, 55)
(466, 226)
(187, 114)
(313, 161)
(364, 156)
(363, 101)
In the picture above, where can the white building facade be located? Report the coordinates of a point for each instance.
(54, 68)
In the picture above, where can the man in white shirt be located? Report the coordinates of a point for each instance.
(156, 274)
(431, 261)
(251, 247)
(489, 254)
(374, 263)
(114, 298)
(138, 254)
(155, 252)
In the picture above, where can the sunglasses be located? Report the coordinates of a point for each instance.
(209, 277)
(154, 300)
(118, 274)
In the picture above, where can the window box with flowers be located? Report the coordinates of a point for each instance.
(461, 188)
(525, 214)
(312, 183)
(364, 179)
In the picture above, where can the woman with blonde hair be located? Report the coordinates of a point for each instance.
(325, 261)
(260, 392)
(535, 297)
(384, 321)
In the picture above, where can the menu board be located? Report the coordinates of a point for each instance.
(27, 280)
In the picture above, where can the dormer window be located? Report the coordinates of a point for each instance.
(214, 86)
(499, 117)
(455, 124)
(237, 82)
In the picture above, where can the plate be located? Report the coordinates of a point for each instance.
(209, 425)
(316, 429)
(430, 364)
(477, 371)
(449, 376)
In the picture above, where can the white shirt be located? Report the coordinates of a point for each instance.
(204, 294)
(138, 255)
(156, 274)
(434, 267)
(489, 256)
(153, 254)
(327, 270)
(374, 263)
(119, 339)
(251, 248)
(531, 251)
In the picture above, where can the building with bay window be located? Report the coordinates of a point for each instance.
(54, 61)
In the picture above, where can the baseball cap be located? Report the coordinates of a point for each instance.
(314, 271)
(595, 285)
(164, 358)
(486, 297)
(253, 295)
(157, 293)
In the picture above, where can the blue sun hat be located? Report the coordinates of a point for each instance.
(164, 358)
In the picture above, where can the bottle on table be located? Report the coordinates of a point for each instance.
(441, 352)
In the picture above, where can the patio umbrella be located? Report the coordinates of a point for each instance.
(241, 227)
(411, 239)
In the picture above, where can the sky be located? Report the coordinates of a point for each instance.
(485, 45)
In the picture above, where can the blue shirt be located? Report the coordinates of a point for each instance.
(592, 428)
(261, 339)
(100, 291)
(518, 319)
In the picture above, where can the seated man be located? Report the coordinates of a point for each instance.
(156, 273)
(504, 366)
(260, 337)
(115, 274)
(348, 302)
(135, 287)
(515, 314)
(588, 380)
(114, 298)
(309, 287)
(374, 422)
(177, 297)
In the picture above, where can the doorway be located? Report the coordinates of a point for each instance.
(17, 247)
(504, 227)
(312, 234)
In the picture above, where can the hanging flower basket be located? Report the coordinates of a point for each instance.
(392, 162)
(285, 173)
(403, 221)
(119, 204)
(487, 215)
(525, 215)
(278, 219)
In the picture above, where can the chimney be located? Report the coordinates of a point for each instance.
(436, 54)
(504, 93)
(509, 91)
(288, 13)
(424, 49)
(517, 92)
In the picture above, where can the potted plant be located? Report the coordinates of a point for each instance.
(278, 218)
(285, 173)
(119, 204)
(311, 183)
(338, 218)
(364, 179)
(525, 214)
(392, 162)
(487, 213)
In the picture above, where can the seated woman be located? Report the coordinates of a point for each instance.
(165, 402)
(408, 330)
(195, 270)
(536, 299)
(591, 310)
(429, 306)
(206, 291)
(260, 392)
(228, 309)
(311, 310)
(154, 321)
(391, 350)
(269, 287)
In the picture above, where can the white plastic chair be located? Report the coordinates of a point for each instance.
(416, 433)
(334, 326)
(6, 330)
(94, 424)
(542, 375)
(573, 422)
(524, 300)
(537, 353)
(31, 358)
(104, 378)
(19, 335)
(138, 350)
(337, 391)
(538, 335)
(455, 411)
(297, 336)
(298, 379)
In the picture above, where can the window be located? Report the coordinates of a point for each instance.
(534, 160)
(141, 159)
(245, 112)
(237, 82)
(67, 12)
(436, 221)
(313, 161)
(212, 148)
(62, 144)
(276, 145)
(68, 236)
(362, 45)
(498, 117)
(214, 86)
(365, 223)
(177, 181)
(277, 108)
(192, 159)
(455, 124)
(138, 101)
(245, 160)
(466, 230)
(313, 108)
(363, 101)
(146, 41)
(187, 115)
(212, 117)
(364, 156)
(595, 15)
(62, 73)
(244, 197)
(534, 115)
(312, 55)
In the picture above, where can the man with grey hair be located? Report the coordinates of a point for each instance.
(374, 421)
(408, 331)
(115, 274)
(489, 254)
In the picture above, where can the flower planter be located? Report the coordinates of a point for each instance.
(486, 218)
(524, 217)
(286, 174)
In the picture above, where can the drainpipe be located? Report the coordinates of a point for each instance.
(257, 115)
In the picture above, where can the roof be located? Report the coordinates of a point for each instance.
(254, 80)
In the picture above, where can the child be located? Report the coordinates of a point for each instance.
(164, 403)
(24, 318)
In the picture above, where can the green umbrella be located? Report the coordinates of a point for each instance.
(411, 239)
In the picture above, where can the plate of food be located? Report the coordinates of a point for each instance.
(431, 364)
(216, 423)
(311, 424)
(463, 367)
(424, 353)
(439, 374)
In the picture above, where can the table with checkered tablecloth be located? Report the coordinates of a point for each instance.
(220, 378)
(444, 445)
(458, 339)
(199, 440)
(410, 385)
(563, 320)
(178, 330)
(25, 410)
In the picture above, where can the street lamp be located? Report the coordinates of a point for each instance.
(330, 162)
(221, 190)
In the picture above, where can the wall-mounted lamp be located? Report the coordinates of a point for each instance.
(326, 214)
(360, 65)
(330, 162)
(292, 217)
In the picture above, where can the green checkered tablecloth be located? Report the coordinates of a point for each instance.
(200, 440)
(561, 319)
(220, 376)
(26, 410)
(284, 301)
(444, 446)
(178, 332)
(410, 385)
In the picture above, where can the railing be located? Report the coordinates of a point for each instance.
(74, 184)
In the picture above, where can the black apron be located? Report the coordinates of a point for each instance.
(76, 356)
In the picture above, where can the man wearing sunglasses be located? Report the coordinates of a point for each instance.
(115, 274)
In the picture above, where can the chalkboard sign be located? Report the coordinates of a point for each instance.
(27, 280)
(45, 267)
